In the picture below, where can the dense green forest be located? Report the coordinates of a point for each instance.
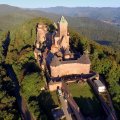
(8, 107)
(105, 61)
(28, 74)
(101, 32)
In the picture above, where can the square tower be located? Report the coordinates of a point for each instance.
(63, 27)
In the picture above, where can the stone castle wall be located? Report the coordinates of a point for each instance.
(41, 33)
(54, 85)
(69, 69)
(65, 42)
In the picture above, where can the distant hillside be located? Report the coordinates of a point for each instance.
(11, 16)
(97, 30)
(107, 14)
(101, 32)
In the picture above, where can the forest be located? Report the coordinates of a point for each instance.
(16, 47)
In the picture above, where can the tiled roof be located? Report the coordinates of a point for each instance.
(67, 52)
(55, 61)
(84, 59)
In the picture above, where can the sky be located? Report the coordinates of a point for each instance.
(68, 3)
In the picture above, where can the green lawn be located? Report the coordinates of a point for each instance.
(86, 100)
(55, 97)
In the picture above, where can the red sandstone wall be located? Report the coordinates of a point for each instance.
(41, 35)
(68, 69)
(63, 29)
(35, 54)
(53, 86)
(65, 42)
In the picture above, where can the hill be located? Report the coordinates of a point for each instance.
(102, 32)
(105, 61)
(107, 14)
(11, 16)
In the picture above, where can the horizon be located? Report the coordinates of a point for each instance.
(58, 6)
(62, 3)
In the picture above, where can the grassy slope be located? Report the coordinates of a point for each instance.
(55, 97)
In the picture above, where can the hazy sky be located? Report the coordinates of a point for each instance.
(69, 3)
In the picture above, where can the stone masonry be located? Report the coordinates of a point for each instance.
(58, 58)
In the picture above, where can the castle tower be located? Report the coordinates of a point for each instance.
(61, 38)
(63, 27)
(41, 33)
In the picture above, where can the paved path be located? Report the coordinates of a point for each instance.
(66, 108)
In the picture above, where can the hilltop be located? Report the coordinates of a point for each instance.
(10, 16)
(105, 61)
(93, 28)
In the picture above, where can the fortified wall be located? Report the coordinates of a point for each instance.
(69, 67)
(62, 61)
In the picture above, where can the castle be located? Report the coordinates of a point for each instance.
(52, 50)
(60, 64)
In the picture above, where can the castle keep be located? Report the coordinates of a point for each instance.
(52, 50)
